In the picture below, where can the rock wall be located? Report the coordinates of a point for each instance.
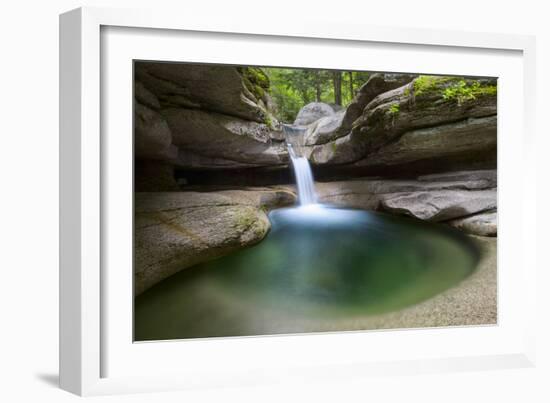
(204, 117)
(425, 119)
(219, 117)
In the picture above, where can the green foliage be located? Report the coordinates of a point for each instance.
(462, 91)
(255, 80)
(452, 88)
(256, 76)
(394, 109)
(287, 93)
(426, 84)
(291, 89)
(269, 121)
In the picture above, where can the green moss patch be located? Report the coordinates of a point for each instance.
(463, 91)
(255, 80)
(456, 89)
(269, 121)
(429, 85)
(394, 109)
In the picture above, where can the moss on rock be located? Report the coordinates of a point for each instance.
(255, 80)
(456, 89)
(463, 91)
(394, 109)
(257, 83)
(256, 76)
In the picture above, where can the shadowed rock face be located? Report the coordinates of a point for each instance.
(219, 136)
(215, 116)
(153, 138)
(208, 87)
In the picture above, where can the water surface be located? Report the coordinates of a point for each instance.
(316, 265)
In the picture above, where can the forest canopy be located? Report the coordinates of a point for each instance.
(291, 89)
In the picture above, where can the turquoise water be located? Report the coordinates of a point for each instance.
(317, 265)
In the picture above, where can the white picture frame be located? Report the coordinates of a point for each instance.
(89, 337)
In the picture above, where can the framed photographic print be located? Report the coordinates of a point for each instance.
(242, 204)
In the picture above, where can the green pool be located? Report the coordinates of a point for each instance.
(318, 264)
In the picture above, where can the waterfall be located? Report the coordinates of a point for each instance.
(300, 164)
(304, 179)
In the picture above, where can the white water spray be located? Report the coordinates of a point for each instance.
(304, 179)
(302, 169)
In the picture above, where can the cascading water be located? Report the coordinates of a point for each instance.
(304, 178)
(302, 170)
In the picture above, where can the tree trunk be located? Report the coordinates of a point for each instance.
(337, 80)
(318, 86)
(351, 91)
